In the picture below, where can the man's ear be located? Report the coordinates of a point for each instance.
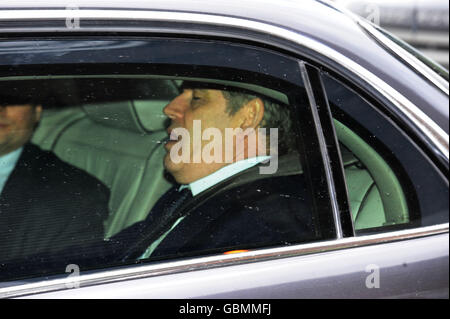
(253, 113)
(38, 112)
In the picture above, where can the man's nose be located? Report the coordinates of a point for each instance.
(177, 107)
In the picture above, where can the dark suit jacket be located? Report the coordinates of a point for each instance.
(245, 211)
(265, 212)
(47, 205)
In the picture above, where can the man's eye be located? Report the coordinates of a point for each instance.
(196, 100)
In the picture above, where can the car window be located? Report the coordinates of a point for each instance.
(391, 184)
(101, 185)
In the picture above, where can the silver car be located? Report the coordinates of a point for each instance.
(371, 123)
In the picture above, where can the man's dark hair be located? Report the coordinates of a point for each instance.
(275, 116)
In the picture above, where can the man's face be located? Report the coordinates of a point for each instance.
(17, 123)
(207, 106)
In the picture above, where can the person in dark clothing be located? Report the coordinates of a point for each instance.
(46, 205)
(219, 204)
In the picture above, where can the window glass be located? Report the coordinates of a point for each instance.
(391, 183)
(137, 164)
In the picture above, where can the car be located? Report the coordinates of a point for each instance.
(422, 24)
(370, 121)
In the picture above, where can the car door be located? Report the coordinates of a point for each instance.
(380, 198)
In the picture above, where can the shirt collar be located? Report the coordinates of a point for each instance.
(209, 181)
(9, 160)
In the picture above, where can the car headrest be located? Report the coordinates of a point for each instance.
(150, 114)
(140, 116)
(120, 115)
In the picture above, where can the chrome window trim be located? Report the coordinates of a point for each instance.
(211, 262)
(416, 64)
(423, 122)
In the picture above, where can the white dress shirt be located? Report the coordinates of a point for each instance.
(7, 164)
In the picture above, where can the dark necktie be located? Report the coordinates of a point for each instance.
(172, 202)
(161, 218)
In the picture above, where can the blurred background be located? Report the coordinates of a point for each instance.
(424, 24)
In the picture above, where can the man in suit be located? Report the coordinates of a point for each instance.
(224, 204)
(46, 204)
